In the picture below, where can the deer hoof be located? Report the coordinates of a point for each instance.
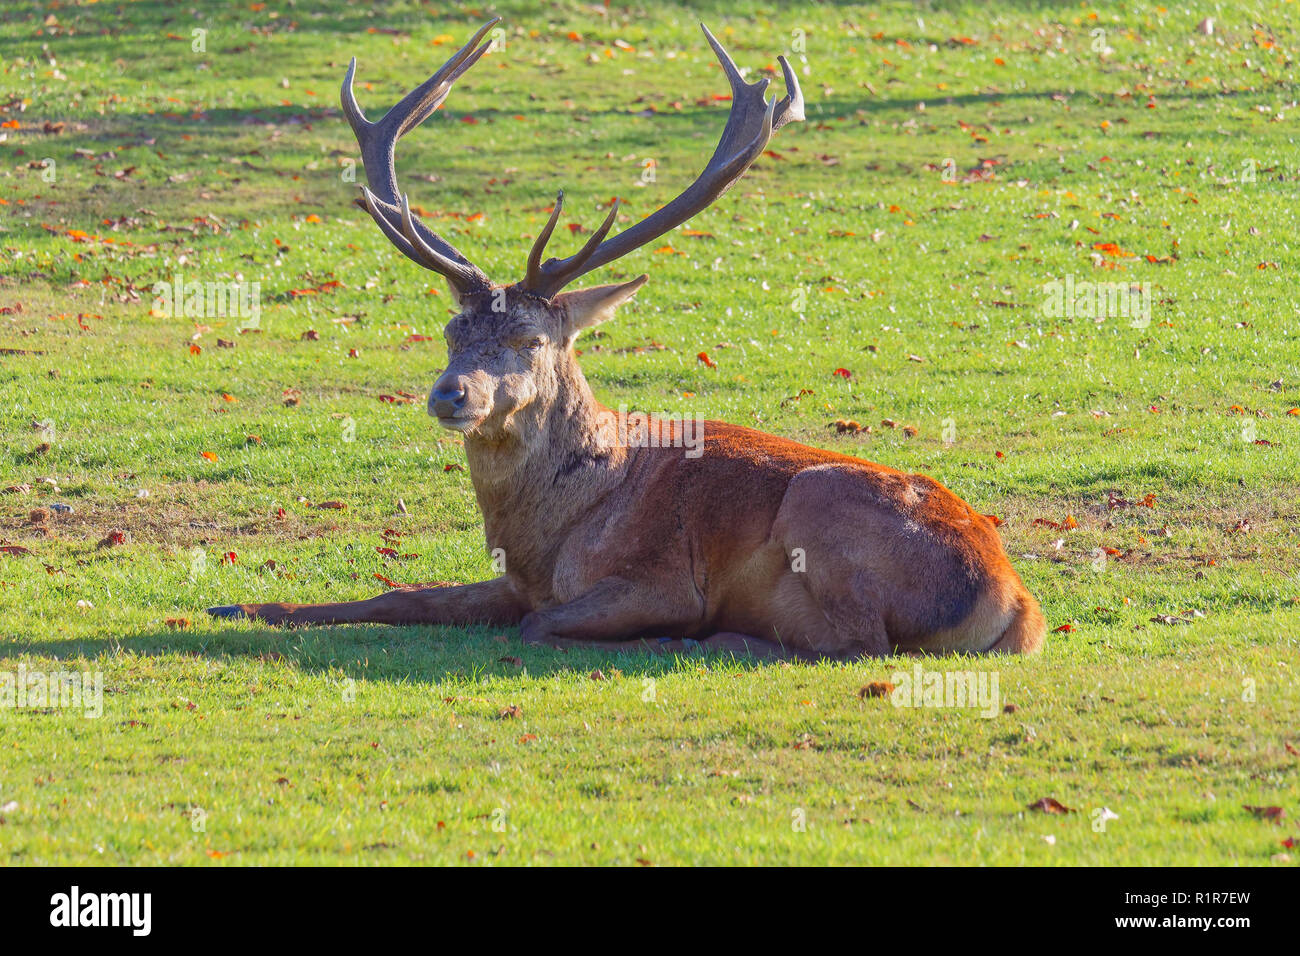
(227, 611)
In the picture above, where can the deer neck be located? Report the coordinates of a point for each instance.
(550, 465)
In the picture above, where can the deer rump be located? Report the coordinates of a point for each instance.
(748, 542)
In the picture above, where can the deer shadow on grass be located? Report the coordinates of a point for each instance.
(407, 654)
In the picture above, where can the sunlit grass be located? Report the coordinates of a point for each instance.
(846, 249)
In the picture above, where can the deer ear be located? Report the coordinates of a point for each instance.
(586, 307)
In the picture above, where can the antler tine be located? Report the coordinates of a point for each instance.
(790, 109)
(539, 245)
(597, 237)
(432, 258)
(538, 278)
(750, 125)
(378, 141)
(728, 64)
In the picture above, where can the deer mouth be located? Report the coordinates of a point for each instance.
(457, 423)
(464, 420)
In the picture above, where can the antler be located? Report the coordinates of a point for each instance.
(749, 128)
(378, 140)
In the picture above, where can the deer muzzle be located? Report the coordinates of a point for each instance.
(447, 398)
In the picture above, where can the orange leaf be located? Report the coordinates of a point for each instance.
(1112, 249)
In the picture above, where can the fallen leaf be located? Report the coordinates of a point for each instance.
(1266, 813)
(1050, 805)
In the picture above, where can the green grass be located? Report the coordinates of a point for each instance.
(373, 745)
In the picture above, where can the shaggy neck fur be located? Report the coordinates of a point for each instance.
(549, 466)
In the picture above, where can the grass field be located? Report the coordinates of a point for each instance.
(955, 161)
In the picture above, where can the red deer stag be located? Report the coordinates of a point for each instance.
(758, 543)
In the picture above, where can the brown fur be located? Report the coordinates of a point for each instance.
(770, 545)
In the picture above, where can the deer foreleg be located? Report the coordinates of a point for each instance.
(614, 609)
(488, 602)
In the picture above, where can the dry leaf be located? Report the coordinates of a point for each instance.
(1266, 813)
(1050, 805)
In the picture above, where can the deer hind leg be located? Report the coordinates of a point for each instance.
(826, 599)
(829, 606)
(488, 602)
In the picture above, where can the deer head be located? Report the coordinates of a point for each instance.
(510, 348)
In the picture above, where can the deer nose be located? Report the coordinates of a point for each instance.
(446, 399)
